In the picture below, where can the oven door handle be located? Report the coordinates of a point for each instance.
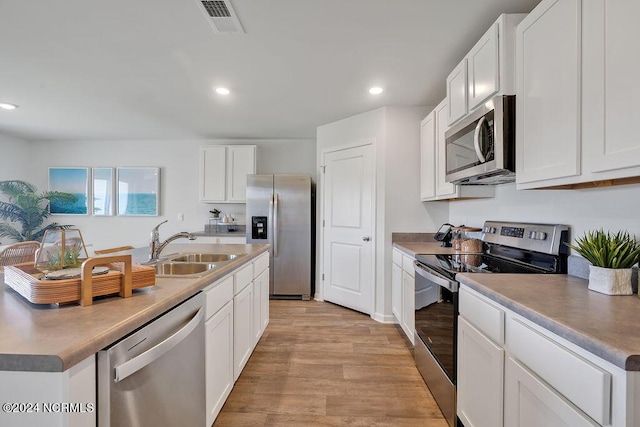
(451, 285)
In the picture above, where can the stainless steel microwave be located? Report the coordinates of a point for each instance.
(480, 149)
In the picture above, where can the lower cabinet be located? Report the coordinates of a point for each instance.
(480, 373)
(219, 359)
(243, 338)
(403, 292)
(529, 402)
(260, 304)
(548, 381)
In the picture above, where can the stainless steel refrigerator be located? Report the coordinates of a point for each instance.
(279, 212)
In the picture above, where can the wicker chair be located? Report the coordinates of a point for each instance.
(18, 253)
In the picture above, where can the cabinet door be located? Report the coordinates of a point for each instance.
(529, 402)
(243, 337)
(480, 375)
(219, 360)
(548, 92)
(241, 161)
(212, 174)
(483, 68)
(427, 157)
(260, 305)
(408, 306)
(396, 291)
(444, 189)
(611, 88)
(457, 93)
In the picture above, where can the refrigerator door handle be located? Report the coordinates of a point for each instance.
(275, 225)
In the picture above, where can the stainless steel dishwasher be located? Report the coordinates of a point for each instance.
(155, 376)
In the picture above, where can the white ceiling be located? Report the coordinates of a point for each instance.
(145, 69)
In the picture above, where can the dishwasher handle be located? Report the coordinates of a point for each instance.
(132, 366)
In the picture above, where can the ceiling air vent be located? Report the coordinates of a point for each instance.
(221, 15)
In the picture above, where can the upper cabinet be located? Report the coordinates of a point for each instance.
(223, 172)
(433, 185)
(548, 133)
(575, 120)
(487, 70)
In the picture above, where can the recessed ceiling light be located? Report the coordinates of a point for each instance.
(6, 106)
(376, 90)
(222, 91)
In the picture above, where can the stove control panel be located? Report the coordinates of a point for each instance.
(546, 238)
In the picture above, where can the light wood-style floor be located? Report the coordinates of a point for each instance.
(319, 364)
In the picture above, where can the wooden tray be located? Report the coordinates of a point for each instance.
(28, 281)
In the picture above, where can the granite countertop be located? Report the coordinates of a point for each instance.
(604, 325)
(49, 338)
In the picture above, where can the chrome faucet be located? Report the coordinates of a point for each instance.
(156, 247)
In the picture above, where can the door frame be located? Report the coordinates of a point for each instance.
(319, 295)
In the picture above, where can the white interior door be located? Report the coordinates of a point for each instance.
(348, 226)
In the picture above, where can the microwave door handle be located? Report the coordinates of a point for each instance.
(476, 139)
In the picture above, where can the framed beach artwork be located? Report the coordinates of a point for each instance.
(102, 191)
(74, 181)
(138, 191)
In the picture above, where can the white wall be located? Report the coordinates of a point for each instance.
(179, 174)
(14, 158)
(611, 208)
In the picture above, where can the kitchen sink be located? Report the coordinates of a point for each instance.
(205, 257)
(182, 268)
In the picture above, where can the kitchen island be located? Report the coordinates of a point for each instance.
(47, 352)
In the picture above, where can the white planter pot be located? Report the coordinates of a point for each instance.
(610, 281)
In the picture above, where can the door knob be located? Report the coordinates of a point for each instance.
(366, 238)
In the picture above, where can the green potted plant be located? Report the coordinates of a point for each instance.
(25, 207)
(611, 257)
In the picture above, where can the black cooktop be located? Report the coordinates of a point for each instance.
(510, 262)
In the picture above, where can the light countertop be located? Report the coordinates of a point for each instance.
(605, 325)
(49, 338)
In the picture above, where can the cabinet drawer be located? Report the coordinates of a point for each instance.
(584, 384)
(397, 257)
(217, 295)
(260, 264)
(485, 316)
(242, 278)
(407, 265)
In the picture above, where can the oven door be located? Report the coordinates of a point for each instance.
(436, 316)
(436, 320)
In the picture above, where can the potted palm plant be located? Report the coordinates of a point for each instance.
(611, 256)
(25, 210)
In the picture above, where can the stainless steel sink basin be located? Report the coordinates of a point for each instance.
(182, 268)
(204, 257)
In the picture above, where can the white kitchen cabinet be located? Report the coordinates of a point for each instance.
(77, 386)
(243, 337)
(223, 172)
(219, 335)
(219, 359)
(547, 379)
(480, 373)
(408, 322)
(575, 120)
(548, 92)
(529, 402)
(396, 288)
(260, 296)
(428, 152)
(487, 69)
(611, 88)
(457, 106)
(434, 186)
